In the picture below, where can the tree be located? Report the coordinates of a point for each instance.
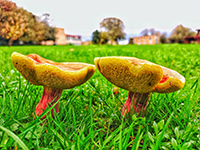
(179, 32)
(37, 31)
(163, 38)
(12, 21)
(154, 32)
(150, 31)
(50, 31)
(34, 32)
(144, 32)
(103, 37)
(17, 23)
(31, 29)
(96, 37)
(46, 18)
(114, 28)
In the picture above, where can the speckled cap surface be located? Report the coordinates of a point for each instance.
(139, 76)
(40, 71)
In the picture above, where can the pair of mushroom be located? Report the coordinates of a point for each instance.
(139, 77)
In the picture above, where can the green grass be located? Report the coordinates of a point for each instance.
(90, 114)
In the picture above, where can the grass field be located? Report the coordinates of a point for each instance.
(90, 114)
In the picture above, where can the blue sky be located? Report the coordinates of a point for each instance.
(82, 17)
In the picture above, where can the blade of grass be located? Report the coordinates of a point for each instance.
(35, 122)
(15, 137)
(22, 101)
(60, 137)
(158, 142)
(103, 100)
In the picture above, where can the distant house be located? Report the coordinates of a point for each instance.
(144, 40)
(73, 39)
(49, 42)
(60, 36)
(63, 39)
(86, 43)
(193, 39)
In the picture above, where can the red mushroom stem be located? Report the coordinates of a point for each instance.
(50, 96)
(136, 103)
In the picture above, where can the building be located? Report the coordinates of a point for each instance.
(73, 39)
(63, 39)
(193, 39)
(145, 40)
(49, 42)
(86, 43)
(60, 36)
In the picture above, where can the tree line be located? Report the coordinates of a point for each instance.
(113, 29)
(17, 24)
(176, 36)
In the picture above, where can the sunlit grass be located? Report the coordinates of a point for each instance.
(90, 114)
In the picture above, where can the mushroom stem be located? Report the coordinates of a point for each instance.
(49, 97)
(136, 103)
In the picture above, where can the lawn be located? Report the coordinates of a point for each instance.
(90, 114)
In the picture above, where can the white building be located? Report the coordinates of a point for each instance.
(73, 39)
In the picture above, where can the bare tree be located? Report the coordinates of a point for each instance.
(144, 32)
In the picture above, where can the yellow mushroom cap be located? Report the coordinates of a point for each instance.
(40, 71)
(174, 82)
(139, 76)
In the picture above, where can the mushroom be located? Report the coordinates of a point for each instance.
(140, 78)
(52, 75)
